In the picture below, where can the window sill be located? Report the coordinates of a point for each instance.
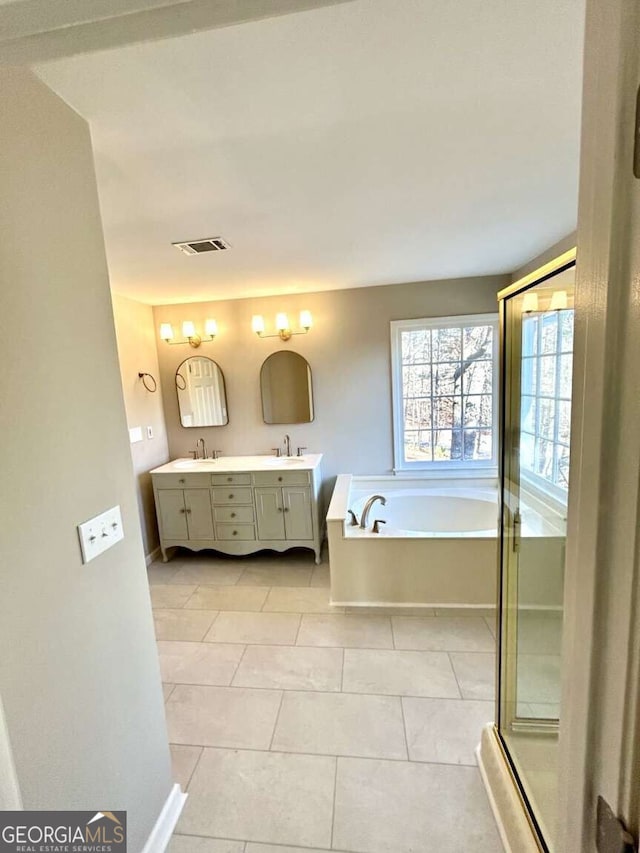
(447, 473)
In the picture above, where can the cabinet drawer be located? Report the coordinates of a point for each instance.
(281, 478)
(234, 514)
(198, 480)
(232, 495)
(225, 479)
(235, 531)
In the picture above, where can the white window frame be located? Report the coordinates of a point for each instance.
(541, 488)
(451, 468)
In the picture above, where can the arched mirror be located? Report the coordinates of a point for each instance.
(285, 384)
(202, 398)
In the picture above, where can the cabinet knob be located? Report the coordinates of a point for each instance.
(230, 497)
(229, 479)
(286, 509)
(189, 512)
(235, 532)
(279, 479)
(280, 509)
(182, 510)
(181, 480)
(233, 515)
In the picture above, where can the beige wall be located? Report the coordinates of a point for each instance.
(137, 353)
(79, 675)
(348, 350)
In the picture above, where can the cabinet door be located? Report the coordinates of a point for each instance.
(298, 519)
(173, 517)
(199, 514)
(269, 513)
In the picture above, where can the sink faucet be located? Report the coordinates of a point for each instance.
(367, 508)
(204, 448)
(287, 444)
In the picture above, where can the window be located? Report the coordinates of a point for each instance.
(545, 420)
(445, 392)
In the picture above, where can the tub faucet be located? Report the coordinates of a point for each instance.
(204, 448)
(367, 508)
(287, 444)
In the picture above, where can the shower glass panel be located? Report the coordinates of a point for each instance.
(537, 352)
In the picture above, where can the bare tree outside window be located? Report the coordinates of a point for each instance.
(447, 393)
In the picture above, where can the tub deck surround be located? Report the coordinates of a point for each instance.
(437, 549)
(448, 564)
(239, 504)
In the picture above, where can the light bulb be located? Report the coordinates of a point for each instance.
(306, 320)
(166, 332)
(282, 322)
(530, 303)
(188, 329)
(257, 324)
(211, 327)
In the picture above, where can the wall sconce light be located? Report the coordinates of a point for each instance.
(530, 303)
(284, 330)
(558, 300)
(189, 332)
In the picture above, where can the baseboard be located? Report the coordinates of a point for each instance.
(160, 835)
(414, 605)
(508, 809)
(150, 558)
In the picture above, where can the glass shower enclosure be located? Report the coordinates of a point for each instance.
(536, 316)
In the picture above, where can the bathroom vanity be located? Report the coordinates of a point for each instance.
(239, 504)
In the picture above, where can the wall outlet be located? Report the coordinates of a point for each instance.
(100, 533)
(135, 434)
(149, 432)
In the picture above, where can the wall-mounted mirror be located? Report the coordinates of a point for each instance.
(202, 398)
(285, 383)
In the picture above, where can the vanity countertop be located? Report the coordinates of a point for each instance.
(226, 464)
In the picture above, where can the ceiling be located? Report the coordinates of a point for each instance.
(368, 143)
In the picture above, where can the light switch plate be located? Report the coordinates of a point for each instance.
(135, 434)
(100, 533)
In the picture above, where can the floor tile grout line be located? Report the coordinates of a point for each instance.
(337, 756)
(404, 727)
(341, 646)
(455, 674)
(333, 810)
(275, 725)
(195, 766)
(305, 690)
(295, 642)
(336, 692)
(235, 671)
(342, 672)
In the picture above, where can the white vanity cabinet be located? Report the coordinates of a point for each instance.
(239, 505)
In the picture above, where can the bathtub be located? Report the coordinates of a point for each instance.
(438, 547)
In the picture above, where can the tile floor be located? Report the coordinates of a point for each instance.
(299, 728)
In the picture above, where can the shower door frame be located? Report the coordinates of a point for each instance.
(506, 640)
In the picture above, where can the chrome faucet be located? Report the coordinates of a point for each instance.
(204, 448)
(367, 508)
(287, 444)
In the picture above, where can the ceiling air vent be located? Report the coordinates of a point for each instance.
(197, 247)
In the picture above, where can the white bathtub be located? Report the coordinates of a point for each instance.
(431, 513)
(438, 547)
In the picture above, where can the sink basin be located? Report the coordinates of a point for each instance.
(192, 463)
(287, 460)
